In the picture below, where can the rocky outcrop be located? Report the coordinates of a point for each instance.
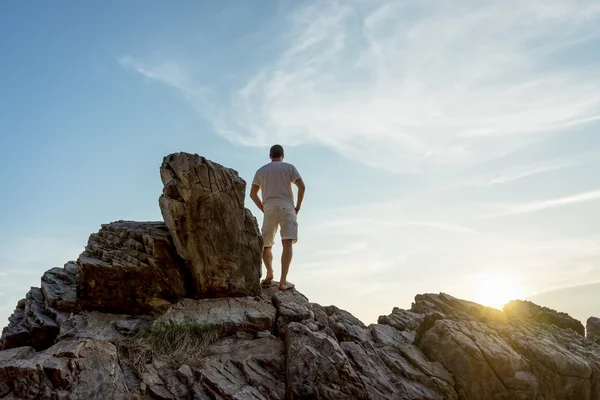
(71, 369)
(33, 323)
(511, 354)
(203, 206)
(317, 367)
(130, 268)
(593, 329)
(529, 311)
(75, 337)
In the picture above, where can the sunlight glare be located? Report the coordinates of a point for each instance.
(495, 290)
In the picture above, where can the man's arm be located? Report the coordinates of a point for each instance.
(254, 196)
(301, 189)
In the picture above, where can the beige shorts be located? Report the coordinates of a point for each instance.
(284, 216)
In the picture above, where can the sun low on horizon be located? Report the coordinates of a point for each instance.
(495, 289)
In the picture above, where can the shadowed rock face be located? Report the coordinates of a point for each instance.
(203, 206)
(130, 267)
(593, 328)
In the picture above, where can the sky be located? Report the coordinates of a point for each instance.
(446, 146)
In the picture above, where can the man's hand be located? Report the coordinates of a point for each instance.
(254, 196)
(301, 189)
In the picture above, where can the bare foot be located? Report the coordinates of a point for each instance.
(267, 281)
(286, 286)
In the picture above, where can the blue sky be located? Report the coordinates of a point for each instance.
(446, 146)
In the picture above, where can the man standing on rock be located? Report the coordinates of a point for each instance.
(275, 179)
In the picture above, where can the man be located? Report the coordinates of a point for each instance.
(275, 180)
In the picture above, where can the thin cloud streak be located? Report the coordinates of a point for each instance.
(344, 225)
(547, 204)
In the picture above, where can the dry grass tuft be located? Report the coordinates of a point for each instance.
(176, 343)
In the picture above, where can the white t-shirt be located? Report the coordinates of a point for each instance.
(275, 180)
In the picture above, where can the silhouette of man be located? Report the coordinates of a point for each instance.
(275, 180)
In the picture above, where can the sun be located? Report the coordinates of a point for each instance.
(496, 289)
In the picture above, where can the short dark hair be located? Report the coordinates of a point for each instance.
(276, 151)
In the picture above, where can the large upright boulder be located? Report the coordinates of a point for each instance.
(203, 206)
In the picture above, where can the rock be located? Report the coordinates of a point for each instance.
(131, 326)
(386, 335)
(527, 310)
(239, 314)
(70, 369)
(31, 324)
(58, 287)
(130, 268)
(482, 364)
(17, 353)
(444, 304)
(186, 375)
(346, 326)
(203, 206)
(402, 320)
(292, 306)
(243, 369)
(163, 383)
(563, 362)
(263, 334)
(593, 329)
(387, 374)
(525, 351)
(318, 368)
(101, 326)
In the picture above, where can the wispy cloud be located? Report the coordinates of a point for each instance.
(170, 73)
(413, 85)
(516, 173)
(525, 208)
(350, 226)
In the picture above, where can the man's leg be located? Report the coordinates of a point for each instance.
(269, 230)
(286, 261)
(267, 257)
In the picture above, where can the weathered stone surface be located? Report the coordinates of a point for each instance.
(402, 320)
(527, 310)
(101, 326)
(482, 364)
(72, 369)
(130, 268)
(31, 324)
(386, 374)
(444, 304)
(163, 382)
(237, 314)
(203, 206)
(524, 355)
(243, 369)
(292, 306)
(317, 367)
(17, 353)
(186, 375)
(58, 287)
(593, 328)
(346, 326)
(564, 363)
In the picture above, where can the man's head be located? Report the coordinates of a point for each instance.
(276, 152)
